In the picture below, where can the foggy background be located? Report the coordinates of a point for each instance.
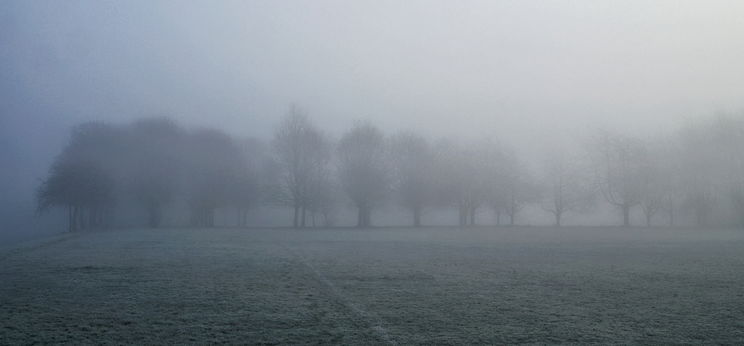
(524, 72)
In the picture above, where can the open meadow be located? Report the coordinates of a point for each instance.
(376, 286)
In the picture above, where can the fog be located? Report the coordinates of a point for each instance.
(525, 73)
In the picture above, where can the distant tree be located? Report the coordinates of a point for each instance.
(653, 195)
(412, 164)
(727, 133)
(214, 167)
(322, 198)
(362, 169)
(82, 187)
(701, 171)
(151, 163)
(617, 163)
(712, 169)
(519, 187)
(154, 165)
(493, 174)
(499, 202)
(659, 177)
(249, 177)
(303, 153)
(668, 156)
(568, 184)
(80, 179)
(455, 171)
(445, 183)
(468, 174)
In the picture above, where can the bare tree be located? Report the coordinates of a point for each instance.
(303, 153)
(653, 193)
(659, 177)
(492, 176)
(617, 164)
(362, 169)
(728, 139)
(701, 173)
(246, 193)
(499, 202)
(322, 186)
(568, 186)
(412, 166)
(470, 175)
(669, 164)
(322, 198)
(520, 190)
(500, 179)
(459, 179)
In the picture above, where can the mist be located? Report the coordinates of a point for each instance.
(371, 172)
(527, 73)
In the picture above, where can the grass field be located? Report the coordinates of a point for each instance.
(378, 286)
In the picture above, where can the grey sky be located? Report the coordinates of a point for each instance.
(516, 69)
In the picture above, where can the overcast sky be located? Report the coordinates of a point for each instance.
(515, 69)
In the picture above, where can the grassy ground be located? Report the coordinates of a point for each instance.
(381, 286)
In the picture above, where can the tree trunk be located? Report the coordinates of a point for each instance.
(472, 216)
(304, 213)
(558, 219)
(296, 219)
(626, 215)
(512, 212)
(75, 214)
(367, 217)
(81, 218)
(512, 209)
(648, 219)
(210, 217)
(463, 215)
(671, 217)
(70, 219)
(327, 221)
(417, 216)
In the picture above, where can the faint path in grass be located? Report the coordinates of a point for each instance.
(369, 318)
(32, 245)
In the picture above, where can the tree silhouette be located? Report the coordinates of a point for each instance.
(362, 169)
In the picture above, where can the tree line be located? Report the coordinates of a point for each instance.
(155, 166)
